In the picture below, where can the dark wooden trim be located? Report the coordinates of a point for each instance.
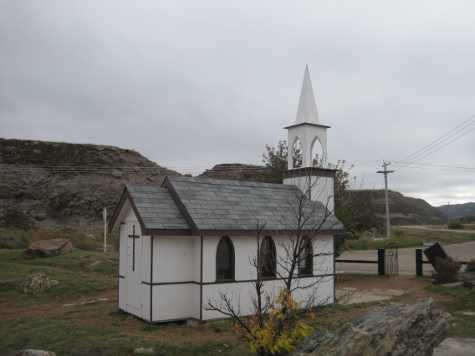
(201, 279)
(226, 239)
(307, 123)
(124, 197)
(356, 261)
(167, 232)
(231, 282)
(310, 171)
(334, 270)
(267, 232)
(151, 279)
(171, 189)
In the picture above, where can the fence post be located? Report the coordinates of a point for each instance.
(419, 271)
(381, 262)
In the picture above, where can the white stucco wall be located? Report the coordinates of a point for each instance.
(132, 292)
(177, 272)
(243, 293)
(322, 189)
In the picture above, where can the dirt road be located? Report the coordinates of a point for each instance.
(407, 259)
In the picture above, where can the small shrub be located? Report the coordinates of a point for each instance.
(455, 225)
(470, 266)
(447, 270)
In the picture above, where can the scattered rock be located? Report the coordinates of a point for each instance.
(48, 248)
(467, 313)
(468, 279)
(32, 352)
(451, 285)
(89, 301)
(37, 283)
(354, 296)
(393, 330)
(455, 347)
(192, 323)
(144, 351)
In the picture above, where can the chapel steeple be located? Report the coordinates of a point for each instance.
(307, 109)
(307, 138)
(307, 158)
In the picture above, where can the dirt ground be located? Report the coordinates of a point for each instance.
(365, 289)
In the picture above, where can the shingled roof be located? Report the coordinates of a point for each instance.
(204, 205)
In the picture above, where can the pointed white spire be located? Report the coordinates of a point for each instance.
(307, 111)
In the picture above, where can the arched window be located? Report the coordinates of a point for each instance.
(267, 258)
(318, 158)
(225, 260)
(297, 154)
(306, 257)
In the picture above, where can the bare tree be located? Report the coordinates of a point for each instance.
(308, 219)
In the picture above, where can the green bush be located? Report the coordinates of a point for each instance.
(447, 270)
(455, 225)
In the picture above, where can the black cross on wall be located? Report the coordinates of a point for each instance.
(133, 237)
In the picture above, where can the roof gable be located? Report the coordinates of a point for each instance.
(225, 205)
(185, 205)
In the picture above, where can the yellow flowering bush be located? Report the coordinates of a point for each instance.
(279, 330)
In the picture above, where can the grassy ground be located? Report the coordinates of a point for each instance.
(44, 322)
(460, 300)
(407, 237)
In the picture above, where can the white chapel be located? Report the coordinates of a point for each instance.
(187, 241)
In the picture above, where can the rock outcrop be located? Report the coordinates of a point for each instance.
(49, 248)
(57, 185)
(396, 330)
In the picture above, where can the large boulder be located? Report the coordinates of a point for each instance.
(48, 248)
(37, 283)
(396, 330)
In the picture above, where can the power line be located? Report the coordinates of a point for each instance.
(459, 131)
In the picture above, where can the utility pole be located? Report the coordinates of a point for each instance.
(104, 217)
(448, 216)
(385, 171)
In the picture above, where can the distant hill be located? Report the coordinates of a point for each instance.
(404, 210)
(239, 171)
(66, 185)
(457, 211)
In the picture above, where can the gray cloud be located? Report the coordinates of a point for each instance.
(201, 83)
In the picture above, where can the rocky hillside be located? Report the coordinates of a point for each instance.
(49, 184)
(404, 210)
(457, 211)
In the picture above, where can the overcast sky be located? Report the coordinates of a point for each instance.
(193, 84)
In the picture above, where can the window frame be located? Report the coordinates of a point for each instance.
(230, 245)
(273, 252)
(308, 269)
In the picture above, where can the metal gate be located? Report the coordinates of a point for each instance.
(391, 261)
